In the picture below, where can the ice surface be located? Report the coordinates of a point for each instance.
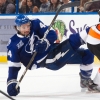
(44, 84)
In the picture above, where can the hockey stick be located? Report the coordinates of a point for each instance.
(6, 95)
(72, 4)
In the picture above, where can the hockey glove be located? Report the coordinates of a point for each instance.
(11, 88)
(42, 45)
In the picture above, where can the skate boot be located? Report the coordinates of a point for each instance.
(88, 83)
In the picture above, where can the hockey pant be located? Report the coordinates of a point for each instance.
(64, 54)
(95, 49)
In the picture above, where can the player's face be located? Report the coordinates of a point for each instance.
(25, 29)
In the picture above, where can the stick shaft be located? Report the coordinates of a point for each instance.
(27, 67)
(72, 4)
(6, 95)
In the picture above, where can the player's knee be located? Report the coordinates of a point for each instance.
(88, 57)
(75, 41)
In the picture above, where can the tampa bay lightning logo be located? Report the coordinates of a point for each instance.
(29, 48)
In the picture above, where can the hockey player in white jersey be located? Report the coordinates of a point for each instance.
(51, 55)
(91, 36)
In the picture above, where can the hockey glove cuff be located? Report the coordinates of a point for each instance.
(11, 88)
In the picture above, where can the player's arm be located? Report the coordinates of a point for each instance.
(78, 39)
(13, 69)
(41, 28)
(43, 44)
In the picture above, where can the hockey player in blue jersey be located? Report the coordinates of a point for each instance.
(51, 55)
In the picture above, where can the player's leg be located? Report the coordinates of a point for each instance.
(64, 53)
(86, 71)
(76, 41)
(61, 55)
(87, 60)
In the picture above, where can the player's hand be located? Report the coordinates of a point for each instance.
(58, 35)
(11, 88)
(42, 45)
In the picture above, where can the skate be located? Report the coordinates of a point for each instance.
(89, 84)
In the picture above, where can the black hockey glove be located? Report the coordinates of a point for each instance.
(11, 88)
(42, 45)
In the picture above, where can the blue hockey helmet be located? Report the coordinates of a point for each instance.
(21, 19)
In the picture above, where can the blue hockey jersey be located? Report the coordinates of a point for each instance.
(20, 48)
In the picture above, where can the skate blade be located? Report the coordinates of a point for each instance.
(92, 91)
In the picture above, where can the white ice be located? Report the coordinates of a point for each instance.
(44, 84)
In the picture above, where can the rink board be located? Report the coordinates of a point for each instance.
(74, 24)
(3, 59)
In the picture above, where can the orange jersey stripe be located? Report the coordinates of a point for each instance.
(98, 27)
(94, 34)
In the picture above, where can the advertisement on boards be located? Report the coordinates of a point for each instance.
(74, 24)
